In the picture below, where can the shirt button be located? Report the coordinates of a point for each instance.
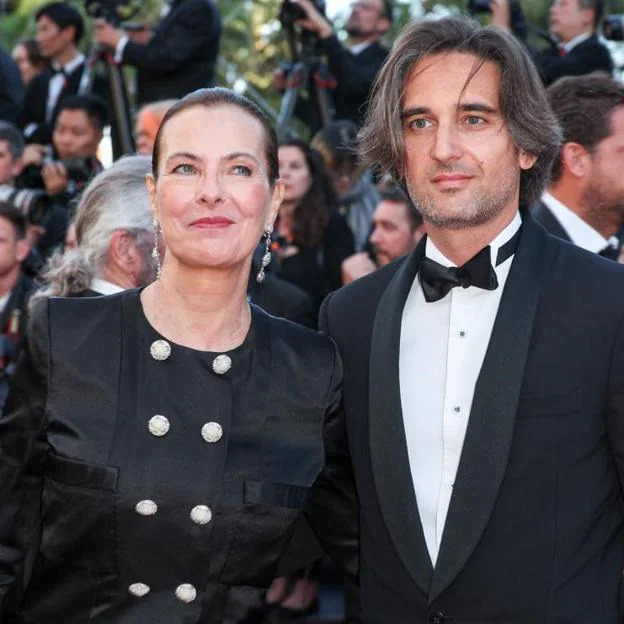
(462, 334)
(221, 364)
(146, 508)
(201, 514)
(457, 409)
(139, 589)
(158, 425)
(212, 432)
(185, 592)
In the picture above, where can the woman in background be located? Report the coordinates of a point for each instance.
(29, 60)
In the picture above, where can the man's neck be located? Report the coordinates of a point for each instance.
(9, 280)
(66, 56)
(117, 277)
(606, 223)
(461, 245)
(585, 33)
(359, 40)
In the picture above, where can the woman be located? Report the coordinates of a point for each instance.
(114, 235)
(166, 439)
(28, 57)
(313, 238)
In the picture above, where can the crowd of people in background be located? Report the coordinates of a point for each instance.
(71, 228)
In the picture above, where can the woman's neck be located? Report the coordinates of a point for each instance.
(201, 309)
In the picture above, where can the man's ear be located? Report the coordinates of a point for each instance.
(576, 159)
(120, 250)
(23, 249)
(17, 166)
(526, 160)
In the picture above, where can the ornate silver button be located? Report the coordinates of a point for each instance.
(222, 364)
(160, 350)
(158, 425)
(201, 514)
(139, 589)
(185, 592)
(212, 432)
(146, 508)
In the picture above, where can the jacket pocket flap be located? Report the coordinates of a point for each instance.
(279, 494)
(72, 472)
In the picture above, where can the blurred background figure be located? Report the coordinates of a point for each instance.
(114, 235)
(313, 239)
(357, 194)
(147, 123)
(29, 59)
(396, 231)
(11, 91)
(177, 58)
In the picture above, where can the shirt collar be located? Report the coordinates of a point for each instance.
(68, 68)
(431, 251)
(582, 234)
(104, 287)
(574, 42)
(360, 47)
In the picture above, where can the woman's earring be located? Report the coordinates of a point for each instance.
(156, 249)
(266, 258)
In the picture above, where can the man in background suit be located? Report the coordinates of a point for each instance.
(180, 56)
(59, 30)
(574, 23)
(484, 375)
(11, 92)
(584, 203)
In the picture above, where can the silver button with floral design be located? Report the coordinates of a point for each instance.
(212, 432)
(160, 350)
(201, 514)
(139, 589)
(146, 508)
(185, 592)
(158, 425)
(222, 364)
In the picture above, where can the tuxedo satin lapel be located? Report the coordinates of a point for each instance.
(492, 418)
(388, 447)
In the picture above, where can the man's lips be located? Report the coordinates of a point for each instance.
(451, 180)
(212, 223)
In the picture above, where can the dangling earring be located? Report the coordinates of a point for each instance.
(156, 249)
(266, 258)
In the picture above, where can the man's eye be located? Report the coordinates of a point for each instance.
(419, 124)
(184, 169)
(473, 120)
(241, 170)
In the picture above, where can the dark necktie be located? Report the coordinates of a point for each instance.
(610, 252)
(437, 280)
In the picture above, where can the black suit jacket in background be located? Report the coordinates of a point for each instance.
(182, 54)
(543, 214)
(534, 531)
(11, 92)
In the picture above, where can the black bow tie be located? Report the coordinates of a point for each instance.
(437, 280)
(58, 70)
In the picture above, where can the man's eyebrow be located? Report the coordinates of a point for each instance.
(464, 107)
(415, 110)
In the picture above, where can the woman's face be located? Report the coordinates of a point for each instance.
(294, 173)
(212, 196)
(27, 70)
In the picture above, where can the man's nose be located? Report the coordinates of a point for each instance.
(446, 144)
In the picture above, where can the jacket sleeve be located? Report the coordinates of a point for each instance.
(615, 407)
(23, 450)
(191, 31)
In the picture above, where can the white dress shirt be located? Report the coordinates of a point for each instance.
(580, 232)
(442, 347)
(570, 45)
(56, 84)
(104, 287)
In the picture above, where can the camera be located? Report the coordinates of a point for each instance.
(32, 203)
(112, 11)
(289, 13)
(478, 6)
(613, 27)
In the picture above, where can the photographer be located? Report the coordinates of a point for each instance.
(77, 134)
(574, 23)
(179, 57)
(356, 65)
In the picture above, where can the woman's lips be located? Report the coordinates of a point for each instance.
(212, 223)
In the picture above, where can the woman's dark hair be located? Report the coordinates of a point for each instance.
(217, 96)
(32, 52)
(528, 116)
(337, 143)
(311, 214)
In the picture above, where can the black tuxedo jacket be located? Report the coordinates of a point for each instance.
(36, 99)
(182, 54)
(588, 56)
(11, 92)
(534, 532)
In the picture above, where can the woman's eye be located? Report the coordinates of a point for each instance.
(241, 170)
(184, 169)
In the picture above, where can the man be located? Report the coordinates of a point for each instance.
(15, 290)
(59, 31)
(397, 228)
(484, 404)
(574, 23)
(77, 133)
(11, 92)
(11, 150)
(585, 200)
(356, 65)
(180, 56)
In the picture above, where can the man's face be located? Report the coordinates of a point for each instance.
(12, 250)
(568, 19)
(392, 235)
(51, 39)
(75, 135)
(605, 187)
(9, 166)
(462, 167)
(367, 19)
